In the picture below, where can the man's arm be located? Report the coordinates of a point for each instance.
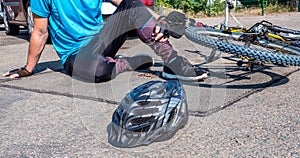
(37, 43)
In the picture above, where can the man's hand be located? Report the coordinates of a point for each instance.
(158, 36)
(11, 75)
(161, 31)
(17, 73)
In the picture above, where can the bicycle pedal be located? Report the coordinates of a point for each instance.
(250, 66)
(260, 64)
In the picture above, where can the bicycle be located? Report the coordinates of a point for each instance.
(278, 45)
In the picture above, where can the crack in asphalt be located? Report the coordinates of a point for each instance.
(59, 94)
(192, 113)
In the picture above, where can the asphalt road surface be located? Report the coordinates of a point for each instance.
(234, 113)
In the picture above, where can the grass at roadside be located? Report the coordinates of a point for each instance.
(241, 12)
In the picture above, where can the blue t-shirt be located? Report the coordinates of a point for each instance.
(71, 22)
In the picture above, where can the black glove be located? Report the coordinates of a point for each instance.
(163, 24)
(22, 72)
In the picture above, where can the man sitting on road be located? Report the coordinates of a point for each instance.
(87, 47)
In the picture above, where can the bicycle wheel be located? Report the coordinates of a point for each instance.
(194, 34)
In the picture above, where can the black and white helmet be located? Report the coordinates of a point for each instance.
(154, 111)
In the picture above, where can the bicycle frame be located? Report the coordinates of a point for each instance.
(279, 39)
(288, 34)
(227, 10)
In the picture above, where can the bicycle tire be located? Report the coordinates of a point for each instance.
(296, 43)
(192, 33)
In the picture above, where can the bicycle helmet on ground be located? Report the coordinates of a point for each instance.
(153, 111)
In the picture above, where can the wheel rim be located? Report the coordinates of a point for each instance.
(30, 22)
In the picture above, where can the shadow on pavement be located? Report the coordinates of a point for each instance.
(276, 80)
(55, 66)
(242, 76)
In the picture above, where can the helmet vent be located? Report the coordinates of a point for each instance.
(172, 115)
(126, 100)
(149, 103)
(147, 111)
(142, 120)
